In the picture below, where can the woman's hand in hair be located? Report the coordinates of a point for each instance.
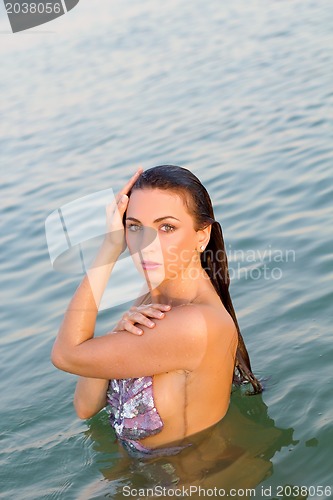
(140, 315)
(115, 234)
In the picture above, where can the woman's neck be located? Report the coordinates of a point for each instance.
(183, 290)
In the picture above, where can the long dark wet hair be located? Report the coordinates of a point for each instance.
(214, 259)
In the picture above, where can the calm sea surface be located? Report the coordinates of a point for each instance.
(241, 93)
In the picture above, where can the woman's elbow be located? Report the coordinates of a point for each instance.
(83, 411)
(57, 358)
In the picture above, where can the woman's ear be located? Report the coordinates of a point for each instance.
(203, 237)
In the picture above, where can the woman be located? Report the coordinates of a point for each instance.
(174, 380)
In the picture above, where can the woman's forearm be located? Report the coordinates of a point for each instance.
(89, 396)
(79, 321)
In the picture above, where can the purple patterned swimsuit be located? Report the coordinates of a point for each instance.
(134, 416)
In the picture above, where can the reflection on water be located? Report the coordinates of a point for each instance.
(235, 453)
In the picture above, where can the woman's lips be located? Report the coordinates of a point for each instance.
(147, 264)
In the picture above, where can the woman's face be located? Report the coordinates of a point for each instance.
(160, 234)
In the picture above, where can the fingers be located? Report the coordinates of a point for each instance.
(140, 315)
(115, 206)
(162, 307)
(118, 206)
(151, 308)
(129, 327)
(154, 310)
(137, 317)
(130, 183)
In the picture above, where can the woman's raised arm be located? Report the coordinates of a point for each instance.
(80, 318)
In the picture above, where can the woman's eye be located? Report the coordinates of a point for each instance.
(169, 228)
(133, 227)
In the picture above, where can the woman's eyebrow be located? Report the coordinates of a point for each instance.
(156, 220)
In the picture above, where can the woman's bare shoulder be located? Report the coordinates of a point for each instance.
(212, 308)
(202, 319)
(219, 321)
(188, 316)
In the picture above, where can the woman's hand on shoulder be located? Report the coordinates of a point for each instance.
(179, 343)
(140, 315)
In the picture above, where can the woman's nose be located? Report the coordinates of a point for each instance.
(148, 239)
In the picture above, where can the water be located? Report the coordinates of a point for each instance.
(241, 94)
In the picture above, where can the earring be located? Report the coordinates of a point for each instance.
(202, 248)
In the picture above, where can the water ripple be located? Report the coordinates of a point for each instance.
(239, 93)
